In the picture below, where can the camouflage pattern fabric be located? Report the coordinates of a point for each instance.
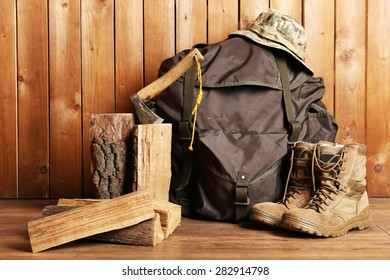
(276, 30)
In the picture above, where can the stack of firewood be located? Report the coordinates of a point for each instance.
(139, 214)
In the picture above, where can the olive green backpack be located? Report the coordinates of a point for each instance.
(256, 103)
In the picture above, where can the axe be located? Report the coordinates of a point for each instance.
(147, 116)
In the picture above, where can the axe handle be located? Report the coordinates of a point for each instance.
(159, 85)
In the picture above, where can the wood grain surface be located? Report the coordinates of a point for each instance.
(8, 100)
(33, 99)
(378, 99)
(66, 159)
(62, 61)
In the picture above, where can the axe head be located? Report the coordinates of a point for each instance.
(145, 115)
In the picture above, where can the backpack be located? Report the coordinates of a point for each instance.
(257, 102)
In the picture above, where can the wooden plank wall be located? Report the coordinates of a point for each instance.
(63, 60)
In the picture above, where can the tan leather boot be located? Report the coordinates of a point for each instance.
(299, 188)
(340, 202)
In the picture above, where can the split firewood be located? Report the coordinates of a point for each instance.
(81, 222)
(170, 213)
(146, 233)
(110, 136)
(77, 201)
(152, 158)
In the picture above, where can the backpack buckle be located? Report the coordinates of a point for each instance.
(246, 203)
(242, 199)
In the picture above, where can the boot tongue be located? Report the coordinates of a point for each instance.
(330, 158)
(303, 151)
(300, 176)
(302, 154)
(330, 154)
(301, 158)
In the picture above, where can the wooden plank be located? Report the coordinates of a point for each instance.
(146, 233)
(250, 10)
(191, 23)
(8, 100)
(107, 215)
(128, 52)
(152, 158)
(97, 20)
(223, 19)
(350, 65)
(289, 7)
(65, 99)
(111, 136)
(33, 103)
(159, 35)
(378, 98)
(318, 20)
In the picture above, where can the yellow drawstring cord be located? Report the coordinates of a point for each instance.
(197, 102)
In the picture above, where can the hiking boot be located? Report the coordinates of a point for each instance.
(340, 202)
(299, 188)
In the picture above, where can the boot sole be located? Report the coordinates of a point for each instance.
(362, 221)
(265, 218)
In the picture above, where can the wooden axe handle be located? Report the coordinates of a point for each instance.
(159, 85)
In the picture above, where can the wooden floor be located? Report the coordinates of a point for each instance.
(196, 239)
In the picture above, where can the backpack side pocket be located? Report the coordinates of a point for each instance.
(321, 124)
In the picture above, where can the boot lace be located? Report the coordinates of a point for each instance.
(328, 175)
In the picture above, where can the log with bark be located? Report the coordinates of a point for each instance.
(110, 136)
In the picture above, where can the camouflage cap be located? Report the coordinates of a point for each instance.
(277, 30)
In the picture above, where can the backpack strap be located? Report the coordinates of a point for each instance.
(185, 132)
(183, 191)
(294, 125)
